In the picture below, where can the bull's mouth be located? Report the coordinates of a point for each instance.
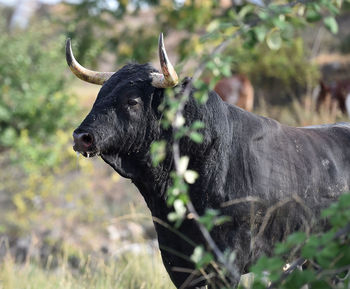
(87, 154)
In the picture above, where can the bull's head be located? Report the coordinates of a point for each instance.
(124, 119)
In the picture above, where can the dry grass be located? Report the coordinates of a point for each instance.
(300, 114)
(133, 271)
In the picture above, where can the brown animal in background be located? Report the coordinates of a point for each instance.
(334, 96)
(237, 90)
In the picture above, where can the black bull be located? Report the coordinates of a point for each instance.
(243, 156)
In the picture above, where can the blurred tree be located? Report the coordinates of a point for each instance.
(99, 24)
(36, 113)
(125, 28)
(34, 104)
(279, 79)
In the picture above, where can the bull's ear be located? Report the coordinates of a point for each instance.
(186, 81)
(168, 77)
(157, 99)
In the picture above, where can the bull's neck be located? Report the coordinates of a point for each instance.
(153, 182)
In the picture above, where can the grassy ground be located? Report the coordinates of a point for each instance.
(133, 271)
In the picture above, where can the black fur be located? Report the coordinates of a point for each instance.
(243, 155)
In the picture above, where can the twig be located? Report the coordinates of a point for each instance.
(241, 200)
(177, 232)
(300, 261)
(268, 215)
(212, 245)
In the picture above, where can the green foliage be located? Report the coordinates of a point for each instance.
(36, 113)
(188, 16)
(158, 151)
(289, 69)
(35, 110)
(331, 24)
(201, 257)
(327, 254)
(212, 218)
(138, 45)
(90, 27)
(339, 213)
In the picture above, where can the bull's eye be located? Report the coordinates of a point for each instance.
(132, 101)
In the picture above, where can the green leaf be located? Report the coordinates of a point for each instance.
(200, 257)
(158, 152)
(281, 248)
(263, 15)
(319, 284)
(296, 238)
(310, 249)
(250, 40)
(331, 24)
(196, 137)
(327, 237)
(201, 97)
(260, 33)
(299, 278)
(333, 9)
(273, 39)
(5, 114)
(332, 210)
(213, 25)
(259, 284)
(222, 219)
(8, 137)
(313, 15)
(267, 264)
(344, 201)
(247, 9)
(197, 125)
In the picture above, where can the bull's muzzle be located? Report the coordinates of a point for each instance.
(84, 143)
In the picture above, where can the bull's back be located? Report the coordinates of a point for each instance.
(313, 162)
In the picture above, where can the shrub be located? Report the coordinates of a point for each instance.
(279, 77)
(35, 108)
(326, 256)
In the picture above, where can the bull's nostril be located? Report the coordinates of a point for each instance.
(87, 139)
(83, 139)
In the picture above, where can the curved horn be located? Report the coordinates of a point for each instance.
(87, 75)
(169, 77)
